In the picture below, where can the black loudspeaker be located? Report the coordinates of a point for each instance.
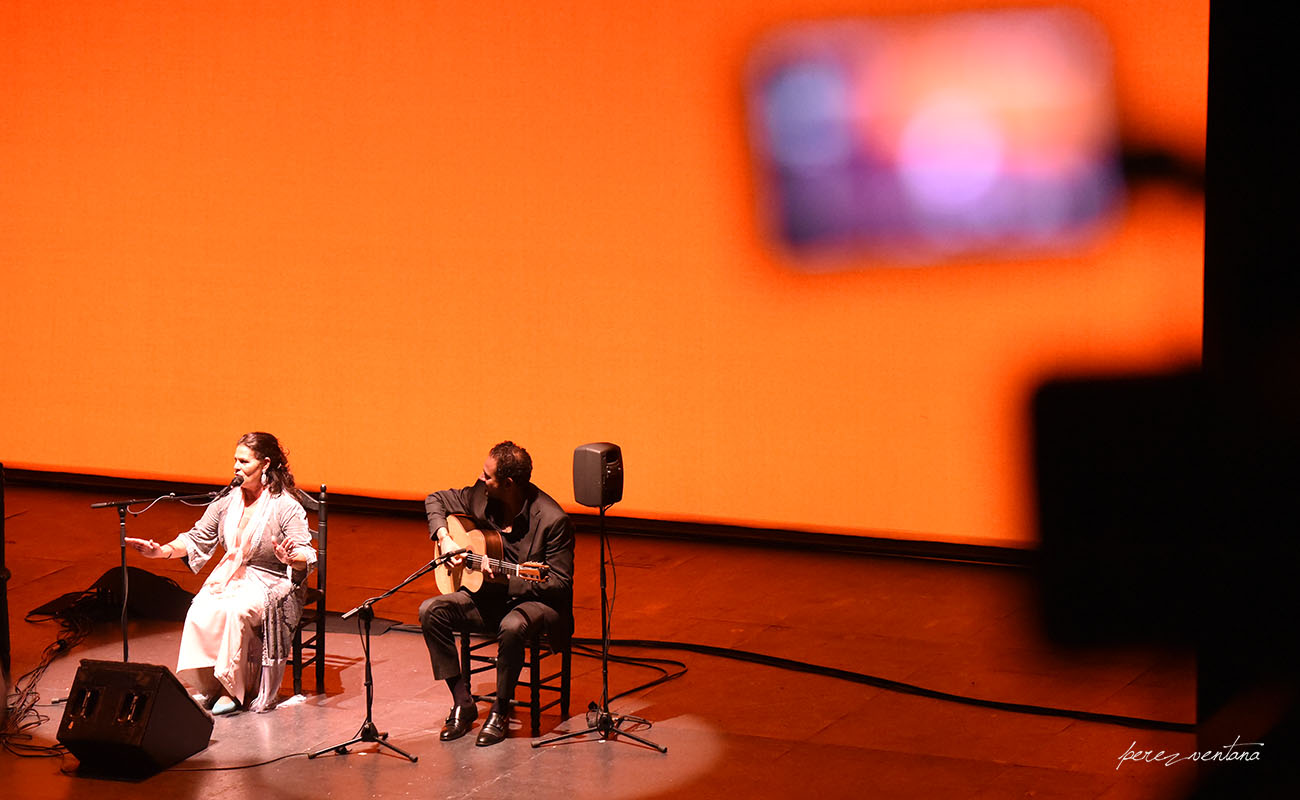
(131, 719)
(598, 474)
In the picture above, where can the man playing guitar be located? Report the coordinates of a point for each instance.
(525, 587)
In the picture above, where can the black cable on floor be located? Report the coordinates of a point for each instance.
(76, 617)
(584, 647)
(238, 766)
(895, 686)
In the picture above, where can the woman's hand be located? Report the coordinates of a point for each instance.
(149, 548)
(282, 552)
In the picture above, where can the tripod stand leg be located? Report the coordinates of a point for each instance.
(563, 736)
(620, 732)
(341, 749)
(368, 733)
(607, 731)
(383, 742)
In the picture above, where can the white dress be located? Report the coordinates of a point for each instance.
(241, 622)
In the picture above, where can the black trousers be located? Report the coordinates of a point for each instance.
(486, 611)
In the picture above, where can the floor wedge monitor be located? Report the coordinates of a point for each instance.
(124, 718)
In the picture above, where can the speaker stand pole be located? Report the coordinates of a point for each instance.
(605, 723)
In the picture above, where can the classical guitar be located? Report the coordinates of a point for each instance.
(483, 546)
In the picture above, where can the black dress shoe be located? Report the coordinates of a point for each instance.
(459, 721)
(494, 730)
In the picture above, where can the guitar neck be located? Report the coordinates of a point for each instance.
(477, 560)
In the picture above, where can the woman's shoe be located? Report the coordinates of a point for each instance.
(226, 705)
(205, 700)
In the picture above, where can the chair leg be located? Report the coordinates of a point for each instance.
(536, 683)
(297, 664)
(535, 686)
(566, 660)
(318, 653)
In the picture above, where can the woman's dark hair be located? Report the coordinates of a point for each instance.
(513, 462)
(264, 445)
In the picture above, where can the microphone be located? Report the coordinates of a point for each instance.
(235, 481)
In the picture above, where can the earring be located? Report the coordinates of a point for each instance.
(265, 480)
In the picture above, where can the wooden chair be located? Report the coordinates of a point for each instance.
(310, 634)
(540, 648)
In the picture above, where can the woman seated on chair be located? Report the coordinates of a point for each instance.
(237, 632)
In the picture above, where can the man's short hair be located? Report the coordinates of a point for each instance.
(513, 462)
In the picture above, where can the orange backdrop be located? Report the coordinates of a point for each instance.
(394, 233)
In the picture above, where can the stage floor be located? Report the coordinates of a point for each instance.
(733, 728)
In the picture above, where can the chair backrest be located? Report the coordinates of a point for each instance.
(317, 505)
(314, 614)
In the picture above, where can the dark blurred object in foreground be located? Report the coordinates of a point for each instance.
(1166, 503)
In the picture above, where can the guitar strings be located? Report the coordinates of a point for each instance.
(477, 560)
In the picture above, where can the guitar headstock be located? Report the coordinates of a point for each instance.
(533, 571)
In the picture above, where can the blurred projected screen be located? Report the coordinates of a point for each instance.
(926, 138)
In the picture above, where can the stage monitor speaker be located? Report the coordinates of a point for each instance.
(131, 719)
(598, 474)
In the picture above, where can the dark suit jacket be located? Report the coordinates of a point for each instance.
(548, 539)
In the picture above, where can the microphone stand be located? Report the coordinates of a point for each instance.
(369, 732)
(605, 723)
(121, 506)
